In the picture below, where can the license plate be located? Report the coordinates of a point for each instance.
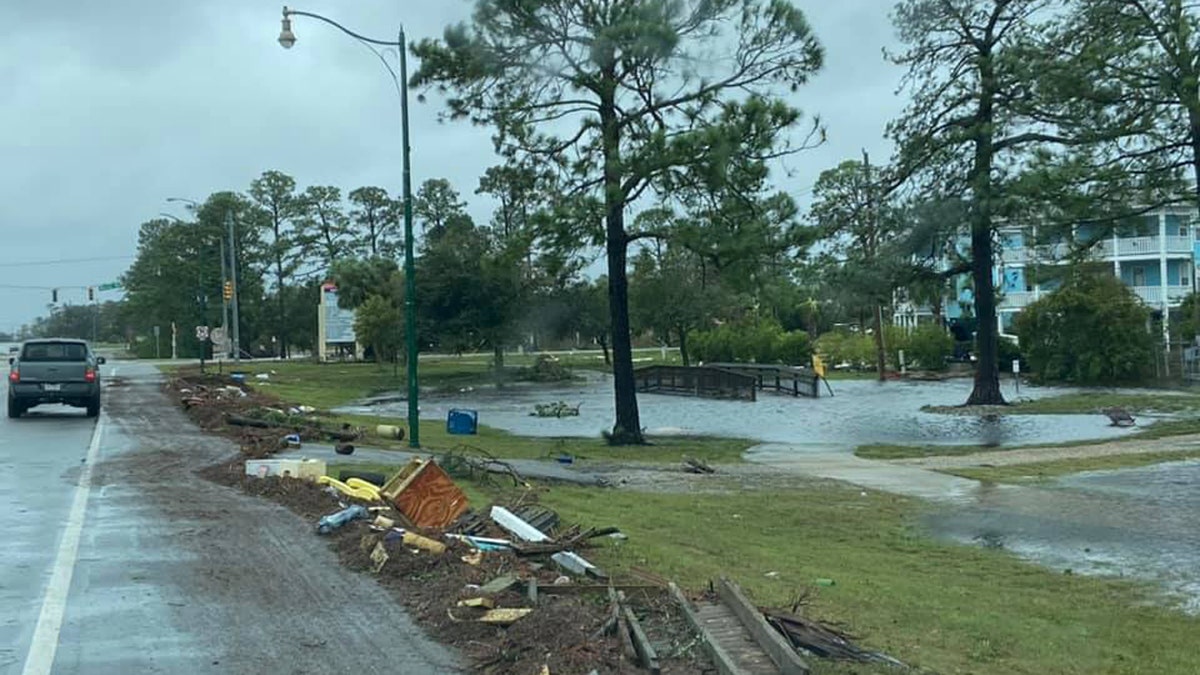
(52, 387)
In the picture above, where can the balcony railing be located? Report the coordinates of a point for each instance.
(1154, 295)
(1145, 246)
(1151, 295)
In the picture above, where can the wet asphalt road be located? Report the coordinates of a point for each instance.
(138, 566)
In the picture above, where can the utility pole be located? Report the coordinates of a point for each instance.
(224, 278)
(237, 344)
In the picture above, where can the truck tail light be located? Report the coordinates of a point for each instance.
(14, 376)
(89, 375)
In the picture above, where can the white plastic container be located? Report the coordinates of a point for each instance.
(306, 469)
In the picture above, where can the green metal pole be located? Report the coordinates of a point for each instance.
(410, 280)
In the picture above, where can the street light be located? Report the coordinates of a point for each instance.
(288, 39)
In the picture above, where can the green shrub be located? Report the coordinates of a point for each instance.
(856, 349)
(929, 346)
(1092, 330)
(762, 341)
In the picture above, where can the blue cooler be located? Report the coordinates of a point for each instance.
(462, 422)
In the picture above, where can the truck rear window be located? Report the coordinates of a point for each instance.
(55, 351)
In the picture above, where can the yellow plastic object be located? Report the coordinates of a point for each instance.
(357, 493)
(360, 484)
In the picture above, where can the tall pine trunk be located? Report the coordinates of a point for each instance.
(987, 339)
(627, 429)
(683, 346)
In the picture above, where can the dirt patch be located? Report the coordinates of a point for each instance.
(559, 633)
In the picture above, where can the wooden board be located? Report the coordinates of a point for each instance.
(723, 660)
(428, 497)
(781, 652)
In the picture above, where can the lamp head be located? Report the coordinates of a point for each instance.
(286, 37)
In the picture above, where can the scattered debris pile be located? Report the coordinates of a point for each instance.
(692, 465)
(813, 637)
(505, 585)
(260, 423)
(555, 409)
(546, 368)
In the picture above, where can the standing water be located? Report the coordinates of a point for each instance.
(861, 412)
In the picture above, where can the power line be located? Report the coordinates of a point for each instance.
(64, 261)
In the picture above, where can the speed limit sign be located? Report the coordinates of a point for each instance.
(201, 333)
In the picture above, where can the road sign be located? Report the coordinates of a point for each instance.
(111, 286)
(201, 333)
(217, 335)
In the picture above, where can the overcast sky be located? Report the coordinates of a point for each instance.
(108, 108)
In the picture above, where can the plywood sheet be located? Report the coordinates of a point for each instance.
(429, 498)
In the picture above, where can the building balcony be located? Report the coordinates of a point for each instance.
(1151, 295)
(1106, 249)
(1154, 295)
(1130, 247)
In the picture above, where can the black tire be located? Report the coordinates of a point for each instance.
(369, 476)
(93, 407)
(14, 409)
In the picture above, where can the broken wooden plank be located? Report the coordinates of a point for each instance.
(641, 643)
(486, 603)
(781, 652)
(523, 530)
(569, 589)
(499, 584)
(531, 590)
(720, 658)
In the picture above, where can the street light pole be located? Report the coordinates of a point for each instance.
(410, 279)
(287, 39)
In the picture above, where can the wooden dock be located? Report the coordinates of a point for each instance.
(789, 380)
(701, 381)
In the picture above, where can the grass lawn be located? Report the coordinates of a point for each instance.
(942, 607)
(1094, 401)
(1025, 473)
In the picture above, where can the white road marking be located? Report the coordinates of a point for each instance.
(40, 659)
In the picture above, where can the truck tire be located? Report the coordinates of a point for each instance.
(93, 407)
(14, 409)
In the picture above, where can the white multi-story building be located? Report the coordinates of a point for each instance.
(1154, 254)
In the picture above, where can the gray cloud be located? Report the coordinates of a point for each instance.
(111, 107)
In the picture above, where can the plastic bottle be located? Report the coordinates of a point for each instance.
(333, 521)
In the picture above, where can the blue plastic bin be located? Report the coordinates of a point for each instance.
(462, 422)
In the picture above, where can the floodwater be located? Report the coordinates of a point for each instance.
(861, 412)
(1139, 523)
(1142, 523)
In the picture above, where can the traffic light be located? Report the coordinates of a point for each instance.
(227, 291)
(91, 294)
(54, 295)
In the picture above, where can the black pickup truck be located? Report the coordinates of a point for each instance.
(54, 371)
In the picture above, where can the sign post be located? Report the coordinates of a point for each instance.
(1017, 375)
(202, 337)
